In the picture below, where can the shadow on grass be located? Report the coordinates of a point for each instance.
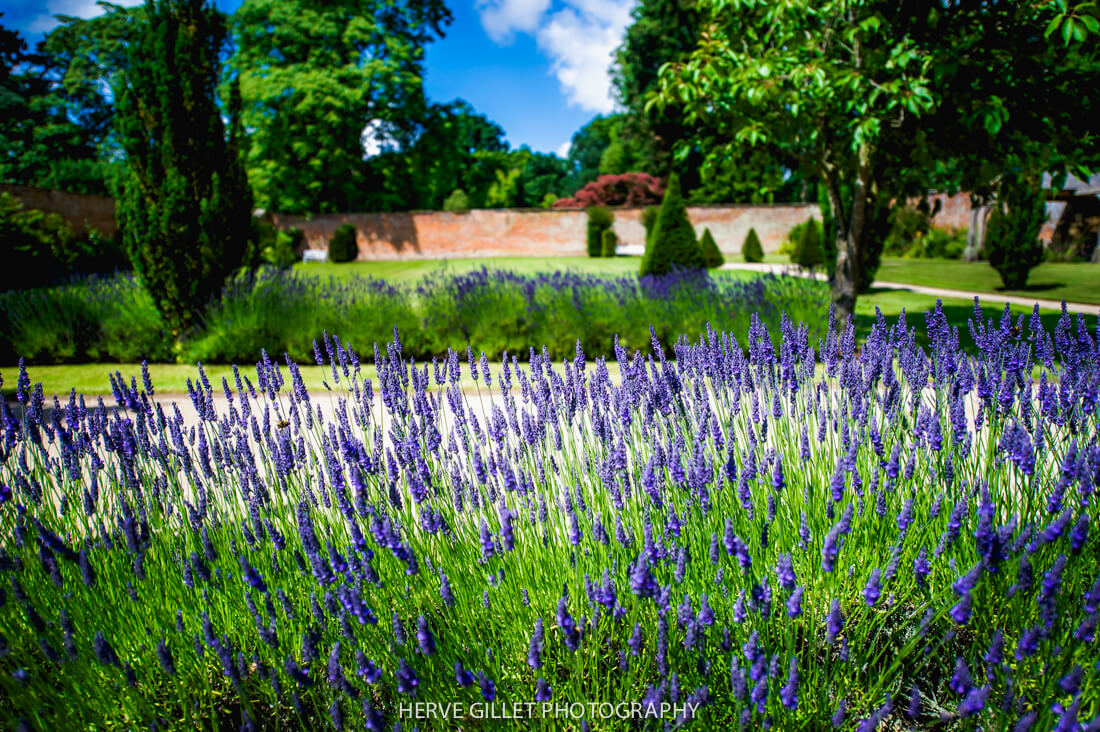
(1032, 288)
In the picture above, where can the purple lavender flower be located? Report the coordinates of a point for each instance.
(794, 602)
(406, 679)
(836, 621)
(873, 589)
(462, 676)
(788, 695)
(784, 570)
(974, 701)
(538, 644)
(488, 688)
(424, 636)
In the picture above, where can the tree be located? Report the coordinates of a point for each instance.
(600, 220)
(586, 150)
(878, 99)
(628, 189)
(184, 207)
(668, 31)
(39, 144)
(751, 249)
(712, 256)
(314, 77)
(1012, 238)
(673, 244)
(610, 241)
(808, 252)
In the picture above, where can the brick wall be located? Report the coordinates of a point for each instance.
(82, 211)
(535, 232)
(955, 213)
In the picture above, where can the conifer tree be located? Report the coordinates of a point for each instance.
(184, 206)
(673, 244)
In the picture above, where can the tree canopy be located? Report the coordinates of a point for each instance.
(878, 100)
(313, 77)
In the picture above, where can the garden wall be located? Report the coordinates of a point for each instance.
(82, 211)
(533, 232)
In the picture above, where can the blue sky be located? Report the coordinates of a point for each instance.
(538, 68)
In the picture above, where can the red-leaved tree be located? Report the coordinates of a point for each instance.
(628, 189)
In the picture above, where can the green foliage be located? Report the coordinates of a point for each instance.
(184, 207)
(282, 252)
(312, 85)
(40, 248)
(1012, 235)
(789, 245)
(712, 256)
(600, 219)
(907, 224)
(943, 95)
(913, 236)
(114, 319)
(649, 221)
(809, 253)
(457, 202)
(342, 247)
(610, 241)
(751, 249)
(673, 245)
(43, 145)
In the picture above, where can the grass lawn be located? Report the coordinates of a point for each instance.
(404, 271)
(1076, 282)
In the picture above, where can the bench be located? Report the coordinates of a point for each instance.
(314, 255)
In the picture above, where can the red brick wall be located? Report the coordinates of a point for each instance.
(955, 213)
(438, 234)
(82, 211)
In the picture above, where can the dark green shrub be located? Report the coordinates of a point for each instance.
(342, 247)
(938, 244)
(283, 252)
(600, 219)
(457, 202)
(610, 242)
(711, 254)
(649, 220)
(673, 244)
(185, 208)
(1012, 237)
(810, 253)
(908, 225)
(40, 248)
(789, 245)
(751, 249)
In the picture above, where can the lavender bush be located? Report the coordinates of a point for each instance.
(788, 536)
(495, 311)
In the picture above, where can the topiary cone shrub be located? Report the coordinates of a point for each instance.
(1012, 237)
(600, 219)
(342, 247)
(610, 242)
(712, 256)
(673, 244)
(810, 253)
(751, 249)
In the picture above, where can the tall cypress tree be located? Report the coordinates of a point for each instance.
(184, 205)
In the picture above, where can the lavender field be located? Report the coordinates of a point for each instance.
(755, 528)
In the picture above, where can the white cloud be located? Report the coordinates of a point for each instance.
(503, 18)
(579, 40)
(76, 8)
(563, 149)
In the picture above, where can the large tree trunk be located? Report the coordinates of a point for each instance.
(850, 225)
